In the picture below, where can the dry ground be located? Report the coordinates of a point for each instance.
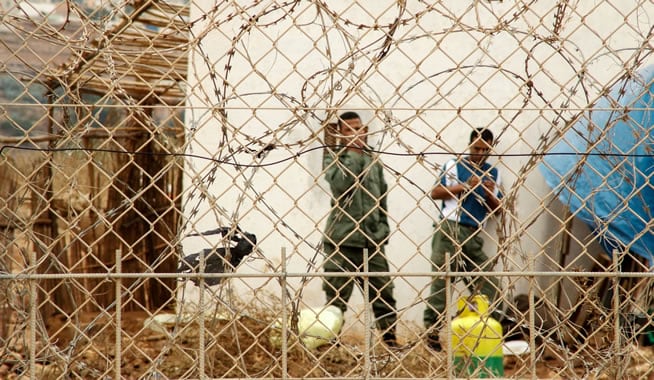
(241, 348)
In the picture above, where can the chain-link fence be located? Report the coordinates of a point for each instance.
(185, 196)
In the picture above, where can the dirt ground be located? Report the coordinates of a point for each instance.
(241, 347)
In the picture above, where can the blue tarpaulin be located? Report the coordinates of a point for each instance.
(603, 167)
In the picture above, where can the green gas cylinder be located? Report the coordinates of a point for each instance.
(477, 340)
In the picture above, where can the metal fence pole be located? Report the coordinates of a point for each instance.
(284, 317)
(119, 313)
(448, 317)
(33, 314)
(201, 316)
(367, 318)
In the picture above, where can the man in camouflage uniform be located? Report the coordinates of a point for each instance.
(358, 221)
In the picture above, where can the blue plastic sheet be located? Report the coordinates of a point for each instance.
(603, 169)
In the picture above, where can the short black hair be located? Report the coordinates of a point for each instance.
(484, 133)
(349, 115)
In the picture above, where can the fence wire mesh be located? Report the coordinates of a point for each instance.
(171, 196)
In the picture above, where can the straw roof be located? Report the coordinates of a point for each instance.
(143, 56)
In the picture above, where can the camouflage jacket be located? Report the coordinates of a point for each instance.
(358, 216)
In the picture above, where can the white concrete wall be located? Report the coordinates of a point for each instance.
(286, 73)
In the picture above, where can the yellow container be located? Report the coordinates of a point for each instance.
(477, 340)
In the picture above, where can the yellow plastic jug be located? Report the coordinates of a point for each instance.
(477, 340)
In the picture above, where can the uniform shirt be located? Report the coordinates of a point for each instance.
(358, 216)
(468, 208)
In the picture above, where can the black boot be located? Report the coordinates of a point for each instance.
(389, 338)
(434, 343)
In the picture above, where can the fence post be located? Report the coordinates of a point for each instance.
(33, 313)
(119, 307)
(616, 315)
(201, 339)
(366, 316)
(448, 317)
(284, 317)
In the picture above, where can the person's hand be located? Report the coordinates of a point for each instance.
(472, 182)
(354, 134)
(356, 141)
(489, 186)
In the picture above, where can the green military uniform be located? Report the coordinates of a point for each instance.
(458, 234)
(358, 221)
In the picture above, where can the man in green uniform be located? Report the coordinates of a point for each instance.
(470, 190)
(358, 221)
